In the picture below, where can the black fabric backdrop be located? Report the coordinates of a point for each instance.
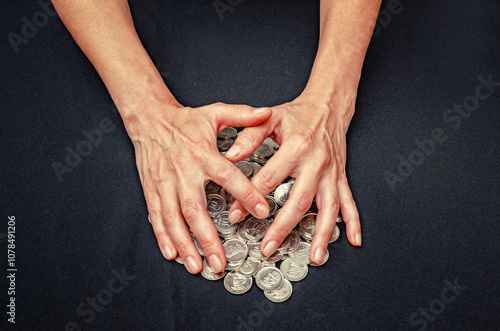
(85, 235)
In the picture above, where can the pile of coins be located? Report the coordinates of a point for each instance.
(242, 241)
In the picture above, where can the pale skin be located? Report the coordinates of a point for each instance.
(175, 146)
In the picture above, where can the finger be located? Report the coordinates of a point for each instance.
(279, 166)
(328, 209)
(298, 203)
(194, 208)
(223, 116)
(349, 211)
(235, 182)
(165, 243)
(177, 228)
(247, 142)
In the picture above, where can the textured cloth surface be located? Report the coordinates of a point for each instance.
(430, 256)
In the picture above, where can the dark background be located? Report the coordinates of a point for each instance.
(440, 223)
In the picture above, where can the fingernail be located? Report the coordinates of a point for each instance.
(233, 151)
(270, 248)
(357, 238)
(215, 263)
(234, 216)
(191, 264)
(260, 110)
(169, 252)
(261, 210)
(319, 255)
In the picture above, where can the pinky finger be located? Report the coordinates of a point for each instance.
(349, 212)
(165, 243)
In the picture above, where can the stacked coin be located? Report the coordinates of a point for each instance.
(226, 138)
(242, 241)
(262, 153)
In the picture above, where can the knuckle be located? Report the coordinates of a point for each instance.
(178, 163)
(247, 135)
(208, 245)
(304, 202)
(169, 217)
(280, 231)
(191, 210)
(225, 173)
(348, 202)
(248, 195)
(185, 246)
(154, 215)
(266, 180)
(333, 205)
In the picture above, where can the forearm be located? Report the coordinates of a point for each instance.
(346, 28)
(105, 32)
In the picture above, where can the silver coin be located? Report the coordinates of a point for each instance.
(178, 259)
(273, 205)
(335, 234)
(271, 143)
(236, 250)
(149, 219)
(282, 193)
(265, 264)
(292, 271)
(327, 255)
(254, 250)
(208, 273)
(212, 188)
(293, 242)
(277, 256)
(308, 223)
(222, 224)
(269, 279)
(233, 266)
(224, 145)
(255, 229)
(256, 167)
(339, 218)
(215, 204)
(197, 244)
(237, 283)
(250, 267)
(245, 167)
(212, 275)
(301, 255)
(228, 133)
(282, 294)
(264, 151)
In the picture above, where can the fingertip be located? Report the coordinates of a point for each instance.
(357, 239)
(192, 265)
(262, 210)
(233, 152)
(235, 216)
(169, 253)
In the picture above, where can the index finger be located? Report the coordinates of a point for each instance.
(227, 175)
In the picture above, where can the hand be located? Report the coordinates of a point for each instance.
(313, 151)
(176, 153)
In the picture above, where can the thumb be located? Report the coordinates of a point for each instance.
(224, 116)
